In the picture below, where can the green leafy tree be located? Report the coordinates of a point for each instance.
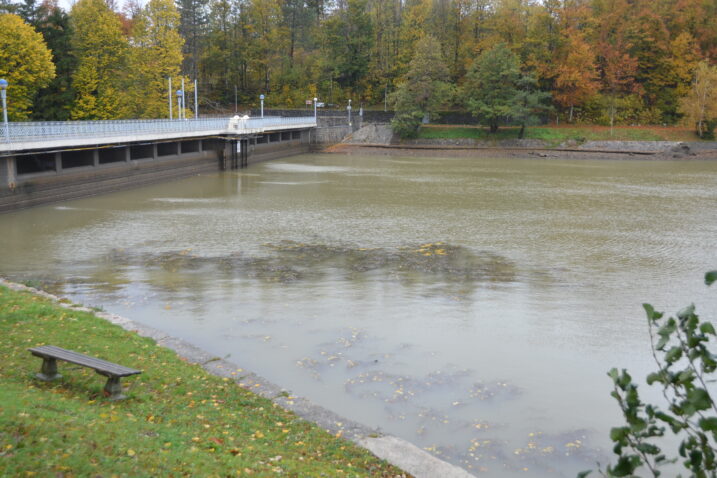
(684, 351)
(53, 103)
(492, 89)
(531, 103)
(101, 49)
(424, 89)
(348, 40)
(25, 62)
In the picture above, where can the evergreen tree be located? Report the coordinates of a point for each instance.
(53, 103)
(424, 89)
(492, 86)
(193, 28)
(25, 62)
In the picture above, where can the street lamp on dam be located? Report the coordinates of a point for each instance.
(3, 94)
(261, 97)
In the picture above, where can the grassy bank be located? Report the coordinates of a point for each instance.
(178, 420)
(555, 135)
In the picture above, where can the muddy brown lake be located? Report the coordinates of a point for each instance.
(472, 306)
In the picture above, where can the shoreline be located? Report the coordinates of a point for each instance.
(396, 451)
(432, 150)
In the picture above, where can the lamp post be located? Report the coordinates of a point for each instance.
(3, 93)
(261, 97)
(180, 95)
(315, 101)
(348, 108)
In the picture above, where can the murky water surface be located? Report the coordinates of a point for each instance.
(471, 306)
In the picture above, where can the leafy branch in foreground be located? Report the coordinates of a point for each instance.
(681, 349)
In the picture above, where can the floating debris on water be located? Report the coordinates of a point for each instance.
(291, 261)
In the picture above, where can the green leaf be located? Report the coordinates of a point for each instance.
(710, 277)
(707, 328)
(649, 310)
(583, 474)
(618, 434)
(686, 312)
(708, 424)
(655, 377)
(673, 355)
(699, 398)
(626, 465)
(648, 448)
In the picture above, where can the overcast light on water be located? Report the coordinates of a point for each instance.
(470, 306)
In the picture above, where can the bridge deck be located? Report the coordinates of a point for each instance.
(66, 134)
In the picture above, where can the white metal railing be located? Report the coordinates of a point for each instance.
(30, 132)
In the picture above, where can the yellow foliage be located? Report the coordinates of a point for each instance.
(156, 55)
(101, 51)
(25, 62)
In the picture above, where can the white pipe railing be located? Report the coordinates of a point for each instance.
(41, 131)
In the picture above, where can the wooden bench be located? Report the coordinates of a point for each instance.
(51, 354)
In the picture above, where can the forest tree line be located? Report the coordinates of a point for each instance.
(627, 61)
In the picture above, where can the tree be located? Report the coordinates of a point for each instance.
(576, 78)
(530, 103)
(156, 55)
(101, 50)
(700, 105)
(193, 20)
(424, 89)
(617, 66)
(491, 87)
(54, 102)
(25, 62)
(683, 349)
(348, 43)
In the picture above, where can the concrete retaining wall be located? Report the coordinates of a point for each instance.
(51, 176)
(43, 188)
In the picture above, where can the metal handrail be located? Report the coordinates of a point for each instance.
(39, 131)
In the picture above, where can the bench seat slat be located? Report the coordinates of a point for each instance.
(99, 365)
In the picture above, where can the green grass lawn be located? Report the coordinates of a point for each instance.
(555, 135)
(178, 420)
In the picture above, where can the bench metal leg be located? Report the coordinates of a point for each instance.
(113, 389)
(48, 372)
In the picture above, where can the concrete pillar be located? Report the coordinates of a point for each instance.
(8, 173)
(58, 162)
(95, 157)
